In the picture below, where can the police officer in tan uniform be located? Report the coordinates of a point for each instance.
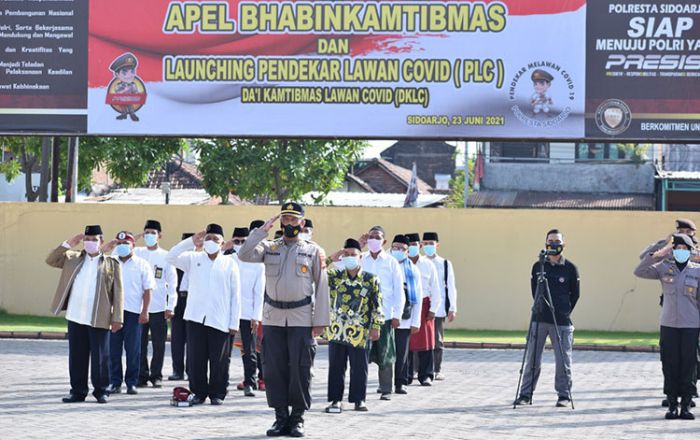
(296, 310)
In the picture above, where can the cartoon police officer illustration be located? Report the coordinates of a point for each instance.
(126, 93)
(540, 101)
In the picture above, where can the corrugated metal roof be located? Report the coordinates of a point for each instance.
(560, 200)
(374, 200)
(678, 175)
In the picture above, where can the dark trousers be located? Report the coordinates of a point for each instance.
(679, 361)
(88, 346)
(127, 339)
(402, 373)
(423, 362)
(158, 327)
(287, 355)
(439, 343)
(250, 358)
(338, 355)
(208, 347)
(178, 336)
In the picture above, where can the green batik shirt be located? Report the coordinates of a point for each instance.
(356, 307)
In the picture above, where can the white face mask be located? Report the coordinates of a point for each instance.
(375, 245)
(211, 247)
(305, 236)
(237, 247)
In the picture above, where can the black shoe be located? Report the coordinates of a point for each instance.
(73, 398)
(563, 402)
(664, 403)
(686, 414)
(176, 377)
(296, 423)
(196, 400)
(143, 384)
(428, 382)
(281, 425)
(130, 389)
(385, 396)
(134, 117)
(672, 412)
(361, 406)
(400, 389)
(157, 383)
(248, 391)
(216, 401)
(522, 400)
(121, 117)
(692, 403)
(102, 398)
(113, 389)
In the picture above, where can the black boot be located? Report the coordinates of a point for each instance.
(672, 408)
(296, 423)
(685, 409)
(281, 425)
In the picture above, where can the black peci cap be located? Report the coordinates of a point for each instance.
(153, 224)
(213, 228)
(93, 230)
(255, 224)
(186, 235)
(240, 232)
(352, 243)
(413, 237)
(400, 238)
(430, 236)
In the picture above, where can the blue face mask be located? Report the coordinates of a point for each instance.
(123, 250)
(399, 255)
(350, 263)
(681, 255)
(150, 239)
(429, 249)
(413, 250)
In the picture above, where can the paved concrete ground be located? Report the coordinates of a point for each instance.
(617, 396)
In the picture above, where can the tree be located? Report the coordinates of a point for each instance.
(456, 197)
(30, 154)
(128, 160)
(282, 169)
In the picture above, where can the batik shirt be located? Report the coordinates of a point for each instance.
(356, 307)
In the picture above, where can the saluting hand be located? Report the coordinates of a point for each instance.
(337, 256)
(74, 241)
(109, 246)
(138, 236)
(198, 239)
(227, 245)
(663, 252)
(270, 223)
(363, 240)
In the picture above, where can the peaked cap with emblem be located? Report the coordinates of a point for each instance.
(541, 75)
(292, 208)
(126, 60)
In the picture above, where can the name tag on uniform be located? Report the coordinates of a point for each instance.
(667, 279)
(159, 272)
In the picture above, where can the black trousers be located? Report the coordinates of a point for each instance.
(402, 371)
(287, 356)
(208, 347)
(424, 363)
(338, 356)
(178, 336)
(88, 346)
(679, 360)
(250, 358)
(158, 328)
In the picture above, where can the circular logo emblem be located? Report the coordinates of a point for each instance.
(121, 236)
(613, 117)
(542, 93)
(561, 279)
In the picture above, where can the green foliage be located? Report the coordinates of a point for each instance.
(635, 152)
(11, 169)
(128, 160)
(282, 169)
(456, 197)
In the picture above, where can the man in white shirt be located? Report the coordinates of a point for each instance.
(92, 309)
(422, 343)
(411, 315)
(138, 283)
(378, 262)
(252, 298)
(212, 313)
(178, 330)
(448, 291)
(162, 307)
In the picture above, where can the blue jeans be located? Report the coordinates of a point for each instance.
(128, 338)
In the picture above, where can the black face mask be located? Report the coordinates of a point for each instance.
(291, 231)
(557, 248)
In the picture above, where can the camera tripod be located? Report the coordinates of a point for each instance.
(542, 297)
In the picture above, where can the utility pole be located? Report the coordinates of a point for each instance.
(55, 167)
(72, 175)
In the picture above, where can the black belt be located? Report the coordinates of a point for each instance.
(287, 304)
